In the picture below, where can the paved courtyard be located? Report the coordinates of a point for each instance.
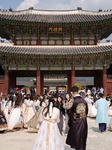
(23, 140)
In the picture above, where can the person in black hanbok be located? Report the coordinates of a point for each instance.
(78, 130)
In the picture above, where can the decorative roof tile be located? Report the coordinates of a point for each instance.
(72, 16)
(55, 50)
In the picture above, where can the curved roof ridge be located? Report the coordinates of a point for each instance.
(55, 12)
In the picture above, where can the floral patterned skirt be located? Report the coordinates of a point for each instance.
(3, 122)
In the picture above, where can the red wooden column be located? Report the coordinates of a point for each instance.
(42, 83)
(38, 87)
(57, 88)
(6, 80)
(47, 88)
(69, 81)
(105, 80)
(72, 77)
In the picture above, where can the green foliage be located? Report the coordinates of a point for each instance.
(78, 85)
(66, 89)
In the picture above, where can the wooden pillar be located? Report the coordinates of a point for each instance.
(47, 88)
(38, 87)
(12, 81)
(6, 81)
(72, 78)
(105, 80)
(69, 81)
(56, 88)
(42, 83)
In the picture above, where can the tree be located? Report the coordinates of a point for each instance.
(78, 85)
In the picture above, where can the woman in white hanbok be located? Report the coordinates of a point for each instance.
(30, 110)
(49, 137)
(16, 115)
(89, 102)
(8, 108)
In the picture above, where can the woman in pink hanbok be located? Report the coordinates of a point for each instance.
(49, 137)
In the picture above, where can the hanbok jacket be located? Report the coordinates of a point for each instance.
(102, 111)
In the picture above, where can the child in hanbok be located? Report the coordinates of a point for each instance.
(49, 137)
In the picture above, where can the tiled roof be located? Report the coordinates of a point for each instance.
(55, 50)
(76, 16)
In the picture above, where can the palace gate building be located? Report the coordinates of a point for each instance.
(55, 43)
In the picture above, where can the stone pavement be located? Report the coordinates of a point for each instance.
(23, 140)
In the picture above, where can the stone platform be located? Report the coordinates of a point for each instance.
(23, 140)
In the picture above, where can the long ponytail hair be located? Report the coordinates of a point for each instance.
(51, 99)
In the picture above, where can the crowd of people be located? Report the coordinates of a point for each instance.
(45, 114)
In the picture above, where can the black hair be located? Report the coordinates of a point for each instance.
(110, 103)
(74, 89)
(67, 94)
(96, 94)
(51, 99)
(18, 101)
(10, 99)
(31, 97)
(101, 95)
(42, 100)
(0, 108)
(82, 94)
(58, 101)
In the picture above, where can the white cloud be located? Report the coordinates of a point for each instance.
(1, 7)
(91, 5)
(27, 3)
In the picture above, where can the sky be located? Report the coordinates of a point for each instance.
(90, 5)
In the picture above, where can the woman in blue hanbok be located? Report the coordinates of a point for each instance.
(102, 113)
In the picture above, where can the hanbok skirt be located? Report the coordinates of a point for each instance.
(110, 125)
(3, 122)
(29, 113)
(110, 111)
(34, 121)
(89, 109)
(48, 138)
(15, 119)
(93, 111)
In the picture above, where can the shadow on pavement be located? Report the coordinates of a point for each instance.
(95, 129)
(68, 148)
